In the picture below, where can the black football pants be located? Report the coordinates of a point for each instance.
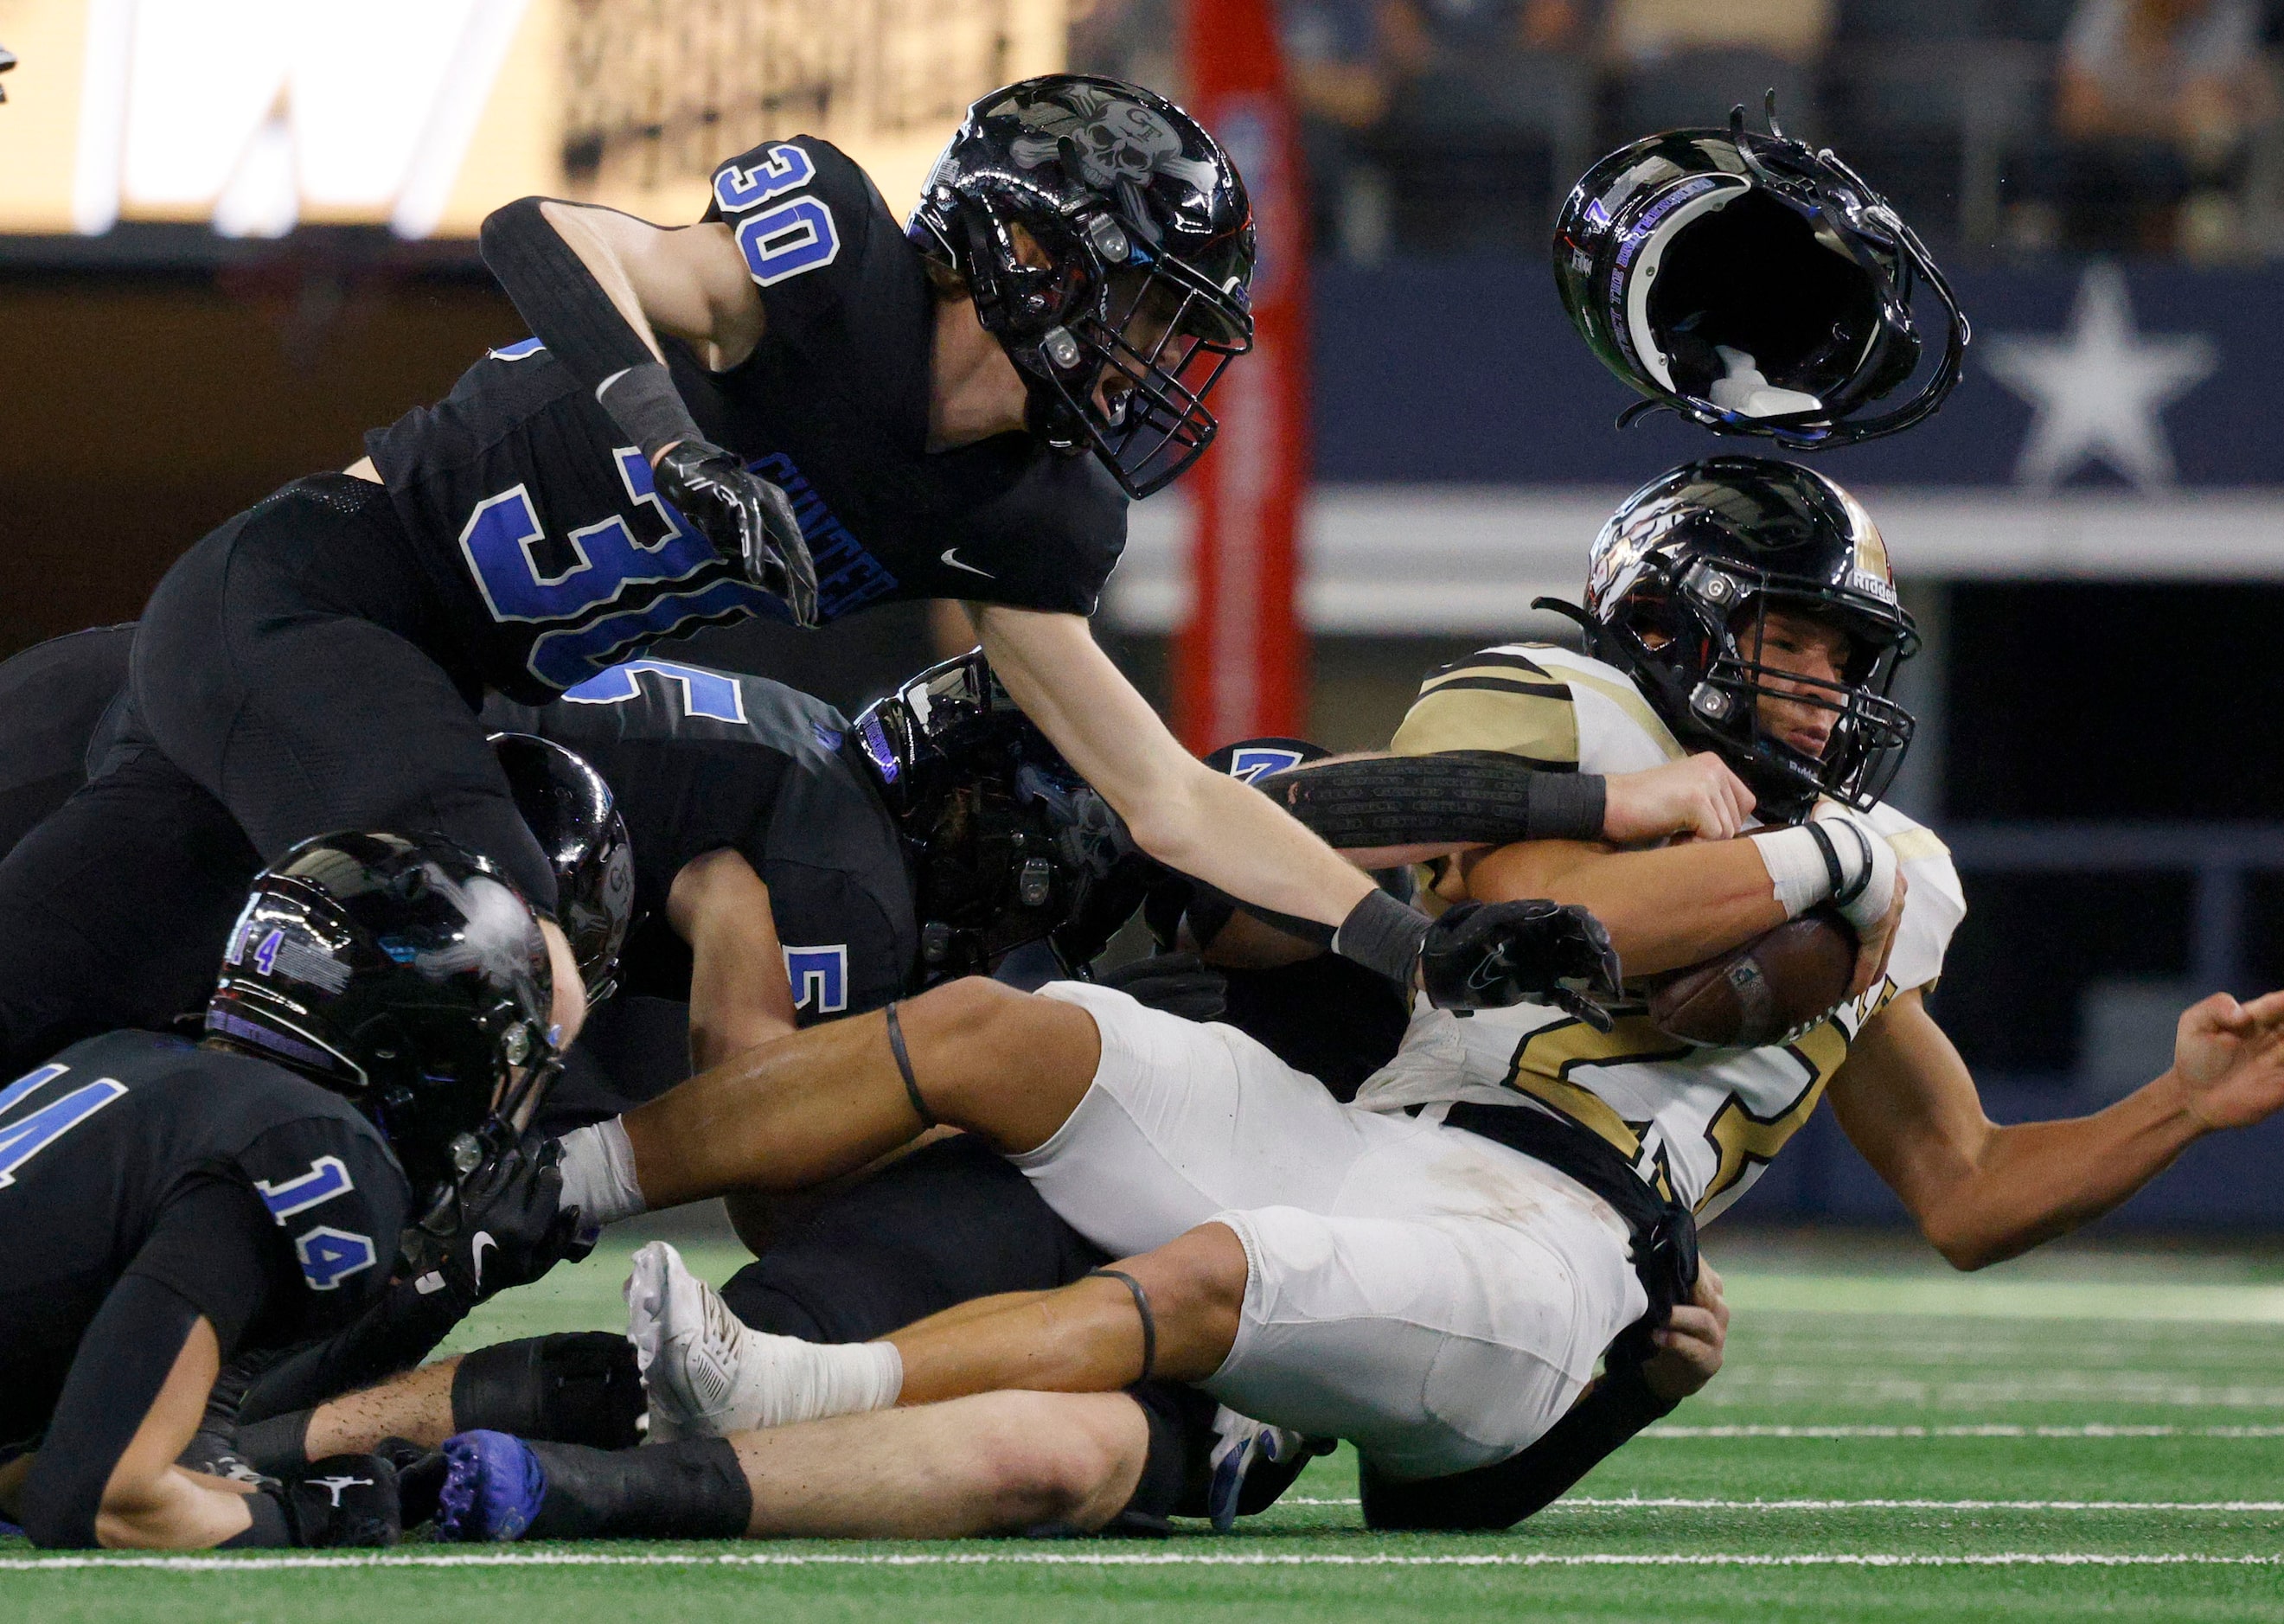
(289, 679)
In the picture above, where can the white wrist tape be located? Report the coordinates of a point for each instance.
(599, 1174)
(1838, 858)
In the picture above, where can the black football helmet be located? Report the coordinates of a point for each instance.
(1108, 244)
(7, 61)
(1751, 284)
(406, 974)
(1678, 587)
(575, 815)
(1007, 845)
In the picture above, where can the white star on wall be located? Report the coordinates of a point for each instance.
(2098, 388)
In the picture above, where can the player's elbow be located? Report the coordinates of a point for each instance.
(1167, 821)
(1059, 1459)
(1964, 1246)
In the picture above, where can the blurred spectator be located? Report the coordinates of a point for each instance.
(1341, 78)
(1491, 115)
(2154, 102)
(1642, 31)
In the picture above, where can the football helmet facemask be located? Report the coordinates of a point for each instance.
(411, 977)
(1752, 283)
(575, 815)
(1679, 587)
(1007, 845)
(1107, 240)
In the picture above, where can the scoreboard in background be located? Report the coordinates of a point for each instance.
(423, 115)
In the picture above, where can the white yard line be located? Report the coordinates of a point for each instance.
(1644, 1503)
(1114, 1559)
(1993, 1429)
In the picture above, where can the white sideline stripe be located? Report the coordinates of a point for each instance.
(574, 1558)
(1644, 1502)
(1996, 1429)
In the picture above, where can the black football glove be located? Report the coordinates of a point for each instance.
(1180, 984)
(748, 520)
(1485, 955)
(506, 1226)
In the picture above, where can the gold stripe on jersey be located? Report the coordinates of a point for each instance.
(1544, 1061)
(1544, 731)
(1743, 1139)
(1915, 844)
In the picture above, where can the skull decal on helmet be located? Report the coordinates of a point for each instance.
(1113, 143)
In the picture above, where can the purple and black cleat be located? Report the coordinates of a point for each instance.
(493, 1485)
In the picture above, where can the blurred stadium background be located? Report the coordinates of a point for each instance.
(234, 234)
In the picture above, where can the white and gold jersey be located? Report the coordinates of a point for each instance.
(1700, 1123)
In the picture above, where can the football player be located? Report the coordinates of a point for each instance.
(384, 1024)
(791, 407)
(1433, 1271)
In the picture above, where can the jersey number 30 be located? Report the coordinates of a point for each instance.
(795, 237)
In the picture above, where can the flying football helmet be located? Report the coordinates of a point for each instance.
(575, 816)
(1108, 245)
(408, 975)
(1751, 284)
(1678, 588)
(1007, 844)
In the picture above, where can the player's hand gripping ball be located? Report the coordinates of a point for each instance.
(1762, 991)
(746, 518)
(1486, 956)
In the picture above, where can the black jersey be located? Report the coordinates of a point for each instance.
(557, 556)
(703, 761)
(96, 1147)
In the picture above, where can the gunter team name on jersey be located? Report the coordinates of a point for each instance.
(1699, 1123)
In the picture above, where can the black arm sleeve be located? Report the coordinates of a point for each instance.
(571, 315)
(402, 1328)
(208, 1255)
(1499, 1496)
(1462, 796)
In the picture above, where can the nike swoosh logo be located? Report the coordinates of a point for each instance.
(947, 556)
(476, 1254)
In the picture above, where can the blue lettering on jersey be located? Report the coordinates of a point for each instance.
(788, 240)
(847, 574)
(523, 350)
(1260, 760)
(565, 658)
(820, 978)
(704, 693)
(328, 1177)
(330, 1256)
(783, 168)
(827, 738)
(607, 557)
(795, 237)
(30, 1083)
(20, 1142)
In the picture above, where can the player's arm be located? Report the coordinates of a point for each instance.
(1983, 1193)
(1385, 811)
(1673, 906)
(597, 287)
(739, 992)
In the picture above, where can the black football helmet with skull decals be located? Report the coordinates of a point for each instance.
(408, 975)
(1754, 284)
(1108, 245)
(1678, 588)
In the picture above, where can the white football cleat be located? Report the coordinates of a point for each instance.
(707, 1375)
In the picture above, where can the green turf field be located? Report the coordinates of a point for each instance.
(2087, 1434)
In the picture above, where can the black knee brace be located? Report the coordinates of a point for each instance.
(575, 1386)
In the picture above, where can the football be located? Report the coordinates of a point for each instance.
(1756, 993)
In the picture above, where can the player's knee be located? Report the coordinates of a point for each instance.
(1195, 1288)
(975, 1041)
(1059, 1457)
